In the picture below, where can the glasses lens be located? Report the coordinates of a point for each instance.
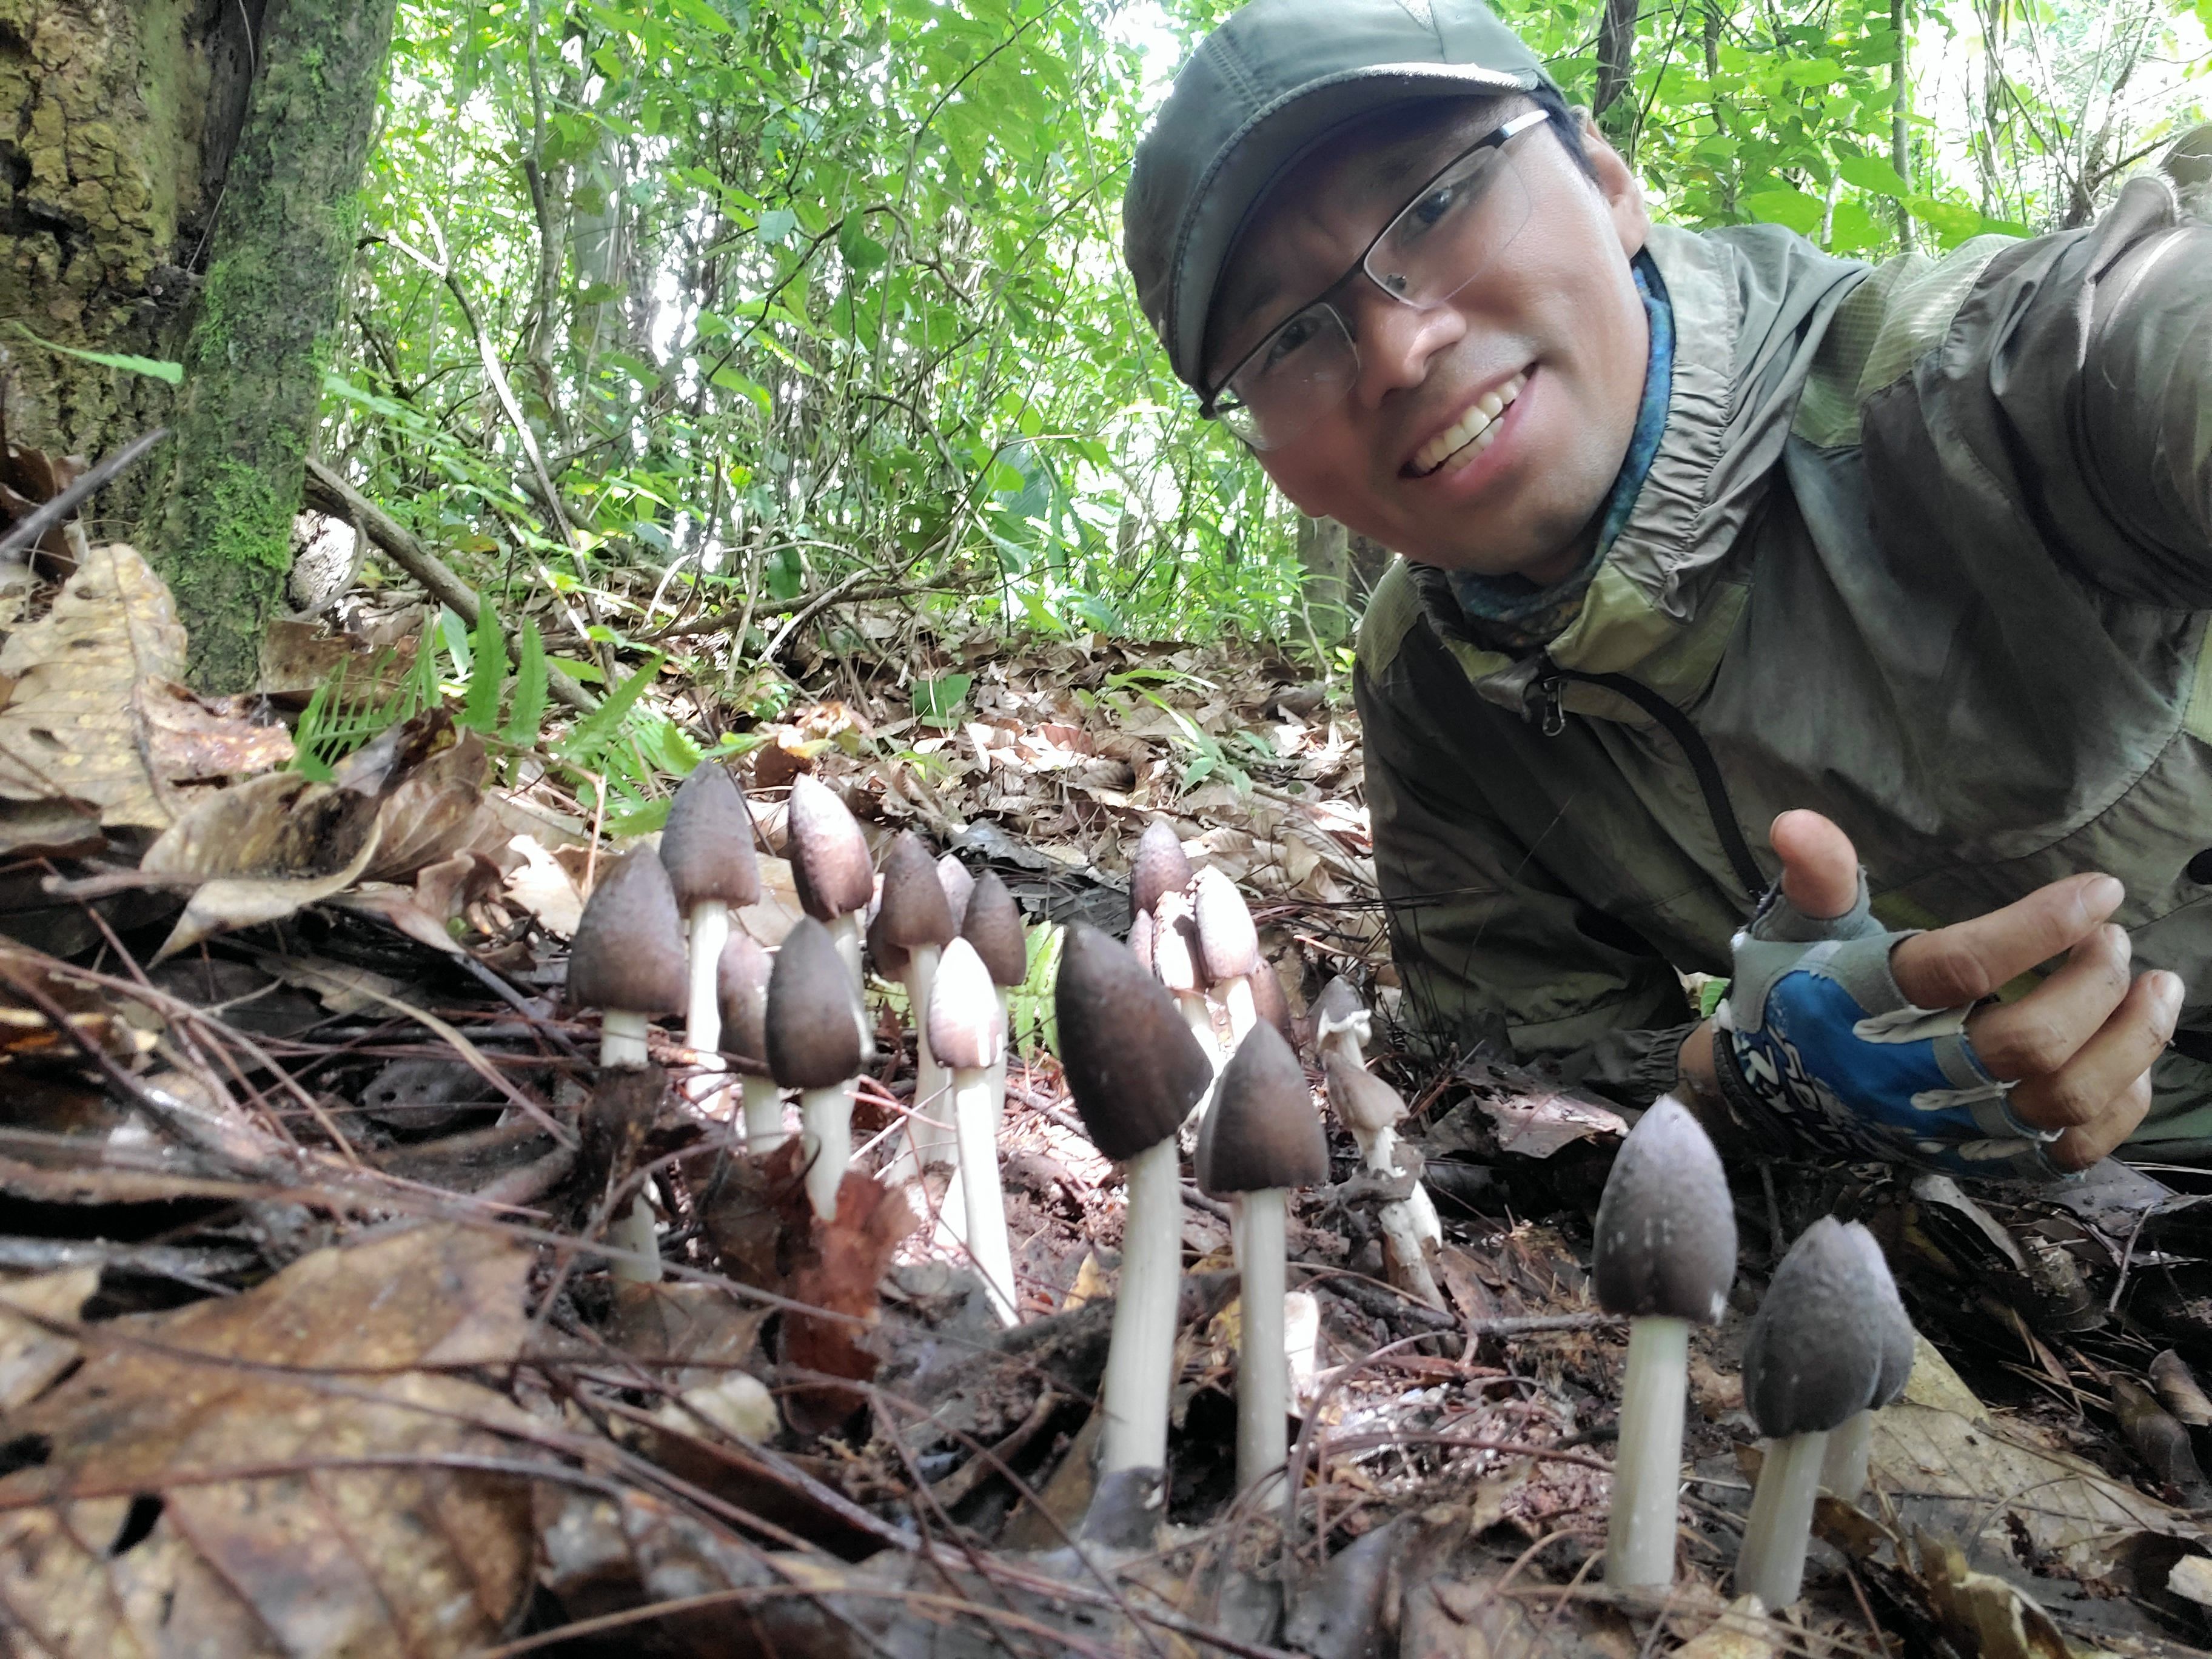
(1445, 237)
(1299, 371)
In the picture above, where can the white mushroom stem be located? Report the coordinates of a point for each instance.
(845, 932)
(622, 1048)
(984, 1201)
(932, 1138)
(826, 1115)
(1263, 1397)
(1647, 1469)
(1401, 1237)
(1851, 1449)
(764, 1115)
(702, 1020)
(1140, 1362)
(998, 1071)
(1771, 1566)
(1380, 1149)
(1236, 997)
(1199, 1017)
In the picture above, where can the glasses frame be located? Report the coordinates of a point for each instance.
(1212, 406)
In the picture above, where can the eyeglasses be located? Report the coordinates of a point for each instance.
(1441, 241)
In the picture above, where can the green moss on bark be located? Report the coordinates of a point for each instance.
(265, 326)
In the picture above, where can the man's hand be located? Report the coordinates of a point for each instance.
(2079, 1046)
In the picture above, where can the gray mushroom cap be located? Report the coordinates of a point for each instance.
(813, 1040)
(1262, 1131)
(1269, 1002)
(966, 1027)
(629, 949)
(1158, 867)
(741, 988)
(829, 865)
(913, 914)
(707, 842)
(1898, 1340)
(1340, 1009)
(952, 876)
(1132, 1065)
(992, 925)
(1666, 1227)
(1228, 943)
(1813, 1358)
(1363, 1101)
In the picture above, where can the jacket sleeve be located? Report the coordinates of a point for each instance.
(1491, 949)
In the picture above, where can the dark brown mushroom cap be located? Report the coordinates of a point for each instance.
(1812, 1359)
(1363, 1101)
(992, 925)
(741, 988)
(1158, 867)
(1132, 1066)
(1666, 1227)
(707, 842)
(1270, 1004)
(829, 865)
(813, 1040)
(1262, 1131)
(1228, 943)
(952, 876)
(629, 949)
(914, 914)
(1899, 1339)
(1175, 946)
(1339, 1008)
(966, 1027)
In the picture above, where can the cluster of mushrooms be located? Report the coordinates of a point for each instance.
(1830, 1345)
(1183, 1037)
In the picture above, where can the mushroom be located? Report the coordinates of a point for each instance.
(707, 847)
(1177, 963)
(831, 868)
(1843, 1467)
(1269, 1002)
(912, 925)
(1341, 1021)
(627, 961)
(1261, 1138)
(744, 977)
(1141, 938)
(814, 1046)
(992, 924)
(1158, 867)
(968, 1028)
(1134, 1071)
(1371, 1108)
(1665, 1256)
(1228, 944)
(1815, 1356)
(953, 877)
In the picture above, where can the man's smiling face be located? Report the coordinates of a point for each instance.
(1552, 328)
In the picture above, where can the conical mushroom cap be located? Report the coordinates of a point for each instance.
(1175, 946)
(966, 1027)
(741, 988)
(914, 914)
(1666, 1227)
(1228, 943)
(813, 1040)
(1363, 1101)
(952, 876)
(992, 925)
(1813, 1356)
(1262, 1131)
(708, 843)
(829, 864)
(1899, 1339)
(1269, 1002)
(1158, 867)
(1340, 1009)
(1132, 1064)
(629, 949)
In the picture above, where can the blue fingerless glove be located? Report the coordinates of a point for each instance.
(1815, 1038)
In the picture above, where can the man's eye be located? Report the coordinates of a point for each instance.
(1289, 340)
(1435, 206)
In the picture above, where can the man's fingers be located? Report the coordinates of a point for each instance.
(1820, 866)
(2042, 1031)
(1968, 960)
(2082, 1092)
(2078, 1148)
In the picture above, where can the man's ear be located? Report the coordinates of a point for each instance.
(1616, 183)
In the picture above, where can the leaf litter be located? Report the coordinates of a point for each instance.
(306, 1346)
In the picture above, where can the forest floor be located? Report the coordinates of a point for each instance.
(303, 1349)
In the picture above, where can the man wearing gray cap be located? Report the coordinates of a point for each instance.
(1704, 532)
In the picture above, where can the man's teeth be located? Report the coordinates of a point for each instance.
(1478, 426)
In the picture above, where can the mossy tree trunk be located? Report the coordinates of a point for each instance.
(263, 332)
(117, 122)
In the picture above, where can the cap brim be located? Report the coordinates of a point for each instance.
(1275, 137)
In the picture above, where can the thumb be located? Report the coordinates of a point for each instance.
(1820, 866)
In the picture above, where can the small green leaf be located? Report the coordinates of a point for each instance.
(1951, 222)
(597, 730)
(526, 716)
(860, 251)
(152, 367)
(1869, 174)
(480, 708)
(776, 224)
(937, 702)
(1794, 208)
(728, 380)
(453, 634)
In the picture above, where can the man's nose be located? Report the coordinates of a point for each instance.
(1396, 341)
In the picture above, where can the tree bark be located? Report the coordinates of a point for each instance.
(1325, 553)
(118, 119)
(1616, 75)
(264, 331)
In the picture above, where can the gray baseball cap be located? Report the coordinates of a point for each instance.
(1255, 96)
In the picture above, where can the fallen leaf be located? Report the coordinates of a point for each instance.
(840, 1263)
(1983, 1615)
(1538, 1125)
(191, 739)
(31, 1354)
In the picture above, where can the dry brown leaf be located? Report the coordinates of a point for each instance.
(73, 726)
(31, 1354)
(270, 1475)
(195, 739)
(836, 1269)
(1982, 1615)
